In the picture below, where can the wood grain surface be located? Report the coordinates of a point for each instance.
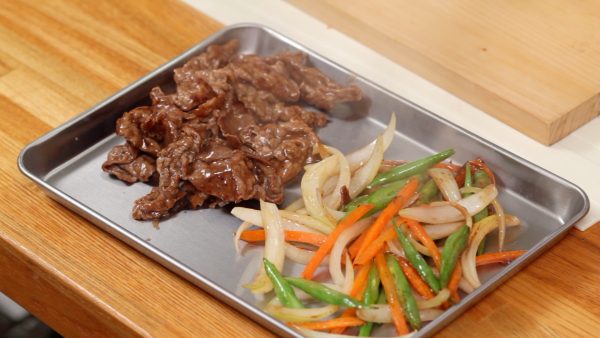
(534, 65)
(58, 58)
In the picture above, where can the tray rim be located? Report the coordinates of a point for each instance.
(231, 299)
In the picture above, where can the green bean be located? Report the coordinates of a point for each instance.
(379, 198)
(454, 246)
(369, 298)
(468, 176)
(408, 300)
(323, 293)
(427, 192)
(382, 299)
(284, 292)
(409, 169)
(417, 261)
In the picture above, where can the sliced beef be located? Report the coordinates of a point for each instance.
(234, 129)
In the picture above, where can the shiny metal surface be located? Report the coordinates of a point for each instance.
(198, 244)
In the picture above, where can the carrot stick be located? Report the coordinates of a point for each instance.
(374, 247)
(454, 281)
(447, 165)
(325, 248)
(330, 324)
(498, 257)
(387, 213)
(391, 294)
(353, 249)
(360, 283)
(419, 232)
(415, 279)
(290, 236)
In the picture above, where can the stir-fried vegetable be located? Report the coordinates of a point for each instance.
(411, 168)
(417, 261)
(454, 246)
(323, 293)
(354, 249)
(283, 291)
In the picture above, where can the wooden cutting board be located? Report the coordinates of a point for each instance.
(534, 65)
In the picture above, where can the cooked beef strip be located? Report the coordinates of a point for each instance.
(233, 130)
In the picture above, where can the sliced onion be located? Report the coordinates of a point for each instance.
(357, 158)
(363, 176)
(511, 220)
(501, 224)
(334, 200)
(439, 231)
(465, 286)
(478, 233)
(301, 256)
(335, 268)
(238, 233)
(335, 214)
(312, 187)
(436, 301)
(300, 315)
(467, 217)
(394, 247)
(349, 278)
(444, 179)
(317, 334)
(445, 213)
(290, 221)
(274, 247)
(380, 313)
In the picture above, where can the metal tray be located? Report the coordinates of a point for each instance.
(66, 163)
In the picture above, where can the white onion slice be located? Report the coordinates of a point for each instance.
(380, 313)
(334, 200)
(395, 248)
(465, 286)
(349, 278)
(439, 231)
(312, 187)
(290, 221)
(274, 249)
(444, 179)
(302, 256)
(502, 223)
(297, 204)
(335, 260)
(445, 213)
(299, 315)
(363, 176)
(357, 158)
(436, 301)
(478, 233)
(238, 233)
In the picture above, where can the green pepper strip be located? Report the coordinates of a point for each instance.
(369, 298)
(427, 192)
(408, 300)
(409, 169)
(481, 180)
(284, 292)
(380, 198)
(323, 293)
(454, 246)
(416, 260)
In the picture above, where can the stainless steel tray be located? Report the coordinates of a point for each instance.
(198, 245)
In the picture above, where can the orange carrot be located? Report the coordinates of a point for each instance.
(447, 165)
(387, 213)
(353, 249)
(290, 236)
(391, 294)
(360, 283)
(420, 234)
(414, 279)
(330, 324)
(325, 248)
(453, 283)
(498, 257)
(374, 247)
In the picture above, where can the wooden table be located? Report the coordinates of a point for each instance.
(58, 58)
